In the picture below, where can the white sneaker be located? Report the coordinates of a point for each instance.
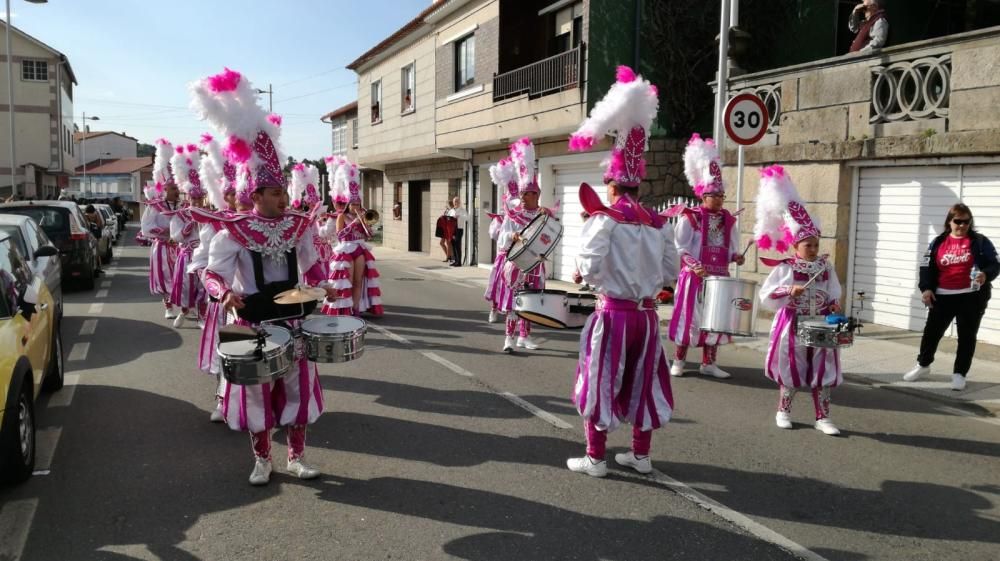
(826, 426)
(527, 343)
(629, 459)
(714, 371)
(917, 373)
(783, 419)
(677, 368)
(216, 416)
(508, 344)
(261, 473)
(494, 316)
(179, 321)
(957, 382)
(588, 465)
(301, 470)
(169, 313)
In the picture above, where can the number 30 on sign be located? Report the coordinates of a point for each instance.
(745, 119)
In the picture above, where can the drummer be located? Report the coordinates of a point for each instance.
(257, 254)
(522, 154)
(783, 219)
(626, 254)
(707, 244)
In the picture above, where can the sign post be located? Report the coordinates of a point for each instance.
(745, 119)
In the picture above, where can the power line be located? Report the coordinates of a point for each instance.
(355, 83)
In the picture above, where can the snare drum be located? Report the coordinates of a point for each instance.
(581, 305)
(538, 239)
(245, 364)
(816, 332)
(334, 338)
(544, 307)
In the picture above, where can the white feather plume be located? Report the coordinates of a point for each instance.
(627, 104)
(161, 162)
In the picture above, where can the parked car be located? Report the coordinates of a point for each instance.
(66, 226)
(30, 358)
(105, 243)
(110, 220)
(32, 243)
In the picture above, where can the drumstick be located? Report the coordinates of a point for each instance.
(744, 254)
(814, 277)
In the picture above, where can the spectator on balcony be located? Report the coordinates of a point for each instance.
(870, 26)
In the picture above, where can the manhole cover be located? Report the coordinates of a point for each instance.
(408, 279)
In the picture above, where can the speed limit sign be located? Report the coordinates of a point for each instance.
(745, 119)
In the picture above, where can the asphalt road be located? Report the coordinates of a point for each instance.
(437, 446)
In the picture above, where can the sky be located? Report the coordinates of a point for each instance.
(133, 59)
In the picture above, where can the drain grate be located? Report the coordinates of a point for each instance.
(408, 279)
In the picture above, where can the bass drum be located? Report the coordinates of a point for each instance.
(581, 305)
(538, 239)
(544, 307)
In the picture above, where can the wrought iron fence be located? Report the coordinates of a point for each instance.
(554, 74)
(911, 90)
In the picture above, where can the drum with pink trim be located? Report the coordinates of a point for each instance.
(539, 238)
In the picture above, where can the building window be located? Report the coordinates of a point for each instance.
(354, 132)
(340, 138)
(465, 62)
(568, 28)
(376, 101)
(35, 70)
(407, 80)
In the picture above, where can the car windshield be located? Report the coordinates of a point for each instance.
(15, 234)
(52, 220)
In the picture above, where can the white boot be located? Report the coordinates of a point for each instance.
(588, 465)
(783, 419)
(494, 316)
(169, 313)
(261, 473)
(508, 344)
(527, 343)
(301, 470)
(216, 416)
(714, 371)
(179, 321)
(826, 426)
(957, 382)
(677, 368)
(629, 459)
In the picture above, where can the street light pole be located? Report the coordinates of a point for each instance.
(83, 149)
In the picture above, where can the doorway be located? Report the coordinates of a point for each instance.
(419, 227)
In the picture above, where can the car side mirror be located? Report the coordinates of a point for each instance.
(46, 251)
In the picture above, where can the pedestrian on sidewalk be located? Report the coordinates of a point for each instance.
(955, 277)
(782, 219)
(461, 221)
(444, 229)
(626, 254)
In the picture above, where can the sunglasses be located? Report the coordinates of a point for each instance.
(961, 221)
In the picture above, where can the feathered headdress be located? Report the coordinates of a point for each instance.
(303, 191)
(627, 111)
(504, 176)
(161, 163)
(185, 163)
(229, 102)
(152, 190)
(340, 191)
(211, 177)
(782, 218)
(226, 170)
(522, 155)
(701, 166)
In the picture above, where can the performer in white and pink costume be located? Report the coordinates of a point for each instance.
(505, 177)
(627, 255)
(783, 223)
(256, 254)
(162, 198)
(352, 270)
(304, 196)
(518, 213)
(706, 243)
(186, 288)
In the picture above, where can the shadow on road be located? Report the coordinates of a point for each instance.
(117, 340)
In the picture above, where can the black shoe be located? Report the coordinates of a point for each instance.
(456, 264)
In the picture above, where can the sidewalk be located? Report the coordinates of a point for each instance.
(879, 357)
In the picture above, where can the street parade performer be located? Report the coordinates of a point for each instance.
(626, 254)
(706, 243)
(161, 197)
(255, 257)
(782, 223)
(518, 213)
(505, 177)
(186, 289)
(304, 196)
(352, 270)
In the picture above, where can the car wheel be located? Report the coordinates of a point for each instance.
(55, 374)
(17, 443)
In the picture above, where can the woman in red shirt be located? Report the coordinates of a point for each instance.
(955, 278)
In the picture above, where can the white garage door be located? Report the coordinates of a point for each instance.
(900, 210)
(567, 189)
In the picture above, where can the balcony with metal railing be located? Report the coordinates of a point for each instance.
(551, 75)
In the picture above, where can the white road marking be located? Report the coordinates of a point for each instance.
(64, 397)
(746, 523)
(102, 293)
(46, 441)
(89, 327)
(15, 522)
(683, 490)
(78, 352)
(106, 284)
(96, 308)
(139, 552)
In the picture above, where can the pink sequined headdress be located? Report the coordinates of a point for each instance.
(162, 175)
(627, 112)
(229, 101)
(782, 218)
(522, 157)
(185, 163)
(701, 166)
(340, 189)
(303, 190)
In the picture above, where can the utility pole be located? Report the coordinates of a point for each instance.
(270, 97)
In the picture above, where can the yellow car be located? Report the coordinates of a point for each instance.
(30, 357)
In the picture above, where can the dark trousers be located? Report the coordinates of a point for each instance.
(456, 247)
(967, 310)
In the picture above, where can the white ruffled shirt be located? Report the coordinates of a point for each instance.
(626, 261)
